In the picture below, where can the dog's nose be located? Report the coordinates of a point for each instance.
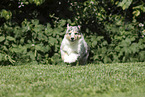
(72, 38)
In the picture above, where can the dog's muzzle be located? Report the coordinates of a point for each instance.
(72, 39)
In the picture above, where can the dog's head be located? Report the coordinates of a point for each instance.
(73, 33)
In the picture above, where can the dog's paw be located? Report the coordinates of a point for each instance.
(69, 60)
(66, 60)
(73, 58)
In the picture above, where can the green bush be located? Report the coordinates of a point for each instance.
(112, 29)
(32, 30)
(31, 41)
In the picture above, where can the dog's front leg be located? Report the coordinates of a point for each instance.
(64, 56)
(73, 57)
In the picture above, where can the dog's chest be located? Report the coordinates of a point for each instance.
(72, 48)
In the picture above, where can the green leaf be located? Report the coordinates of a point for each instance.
(142, 55)
(1, 56)
(22, 40)
(2, 38)
(125, 4)
(11, 60)
(52, 40)
(136, 13)
(10, 38)
(6, 14)
(106, 59)
(38, 47)
(94, 43)
(32, 55)
(140, 7)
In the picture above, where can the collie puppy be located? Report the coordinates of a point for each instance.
(74, 49)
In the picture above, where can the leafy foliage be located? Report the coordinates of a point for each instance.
(32, 30)
(30, 42)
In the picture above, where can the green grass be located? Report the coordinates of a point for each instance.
(93, 80)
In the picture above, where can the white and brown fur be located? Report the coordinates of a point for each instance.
(74, 49)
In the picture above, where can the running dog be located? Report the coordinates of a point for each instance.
(74, 49)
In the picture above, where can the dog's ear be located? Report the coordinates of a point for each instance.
(79, 26)
(67, 26)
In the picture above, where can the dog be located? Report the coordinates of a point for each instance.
(74, 49)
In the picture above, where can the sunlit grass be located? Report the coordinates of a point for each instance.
(98, 80)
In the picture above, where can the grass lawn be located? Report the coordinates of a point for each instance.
(93, 80)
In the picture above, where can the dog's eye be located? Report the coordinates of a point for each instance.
(69, 33)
